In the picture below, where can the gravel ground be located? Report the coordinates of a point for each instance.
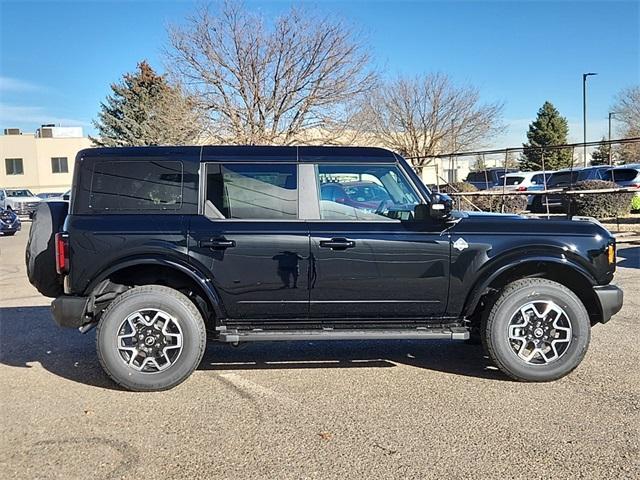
(344, 410)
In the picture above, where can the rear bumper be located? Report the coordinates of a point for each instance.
(70, 312)
(610, 298)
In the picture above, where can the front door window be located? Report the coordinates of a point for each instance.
(365, 193)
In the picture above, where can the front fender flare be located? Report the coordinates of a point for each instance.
(488, 277)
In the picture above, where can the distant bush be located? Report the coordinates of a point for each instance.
(487, 203)
(635, 203)
(599, 205)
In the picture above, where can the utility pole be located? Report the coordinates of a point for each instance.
(584, 114)
(611, 114)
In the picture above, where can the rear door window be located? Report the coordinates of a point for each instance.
(248, 191)
(514, 180)
(136, 185)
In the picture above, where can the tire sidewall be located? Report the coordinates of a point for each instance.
(193, 340)
(580, 334)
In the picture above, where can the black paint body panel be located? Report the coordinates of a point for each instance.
(277, 271)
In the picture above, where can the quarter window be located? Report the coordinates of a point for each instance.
(14, 166)
(137, 185)
(252, 191)
(365, 192)
(59, 165)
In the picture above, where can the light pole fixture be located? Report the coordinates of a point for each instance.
(611, 114)
(584, 114)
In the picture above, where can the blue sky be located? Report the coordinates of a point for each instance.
(58, 58)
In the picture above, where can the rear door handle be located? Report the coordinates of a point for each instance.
(337, 244)
(217, 243)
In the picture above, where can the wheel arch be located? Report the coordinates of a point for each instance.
(163, 271)
(560, 270)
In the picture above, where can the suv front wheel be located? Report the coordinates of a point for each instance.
(537, 330)
(150, 338)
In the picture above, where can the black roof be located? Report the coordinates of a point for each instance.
(261, 153)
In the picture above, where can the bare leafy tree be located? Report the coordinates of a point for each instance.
(627, 108)
(427, 115)
(293, 81)
(145, 109)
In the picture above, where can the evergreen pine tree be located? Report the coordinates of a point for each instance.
(600, 156)
(549, 128)
(144, 109)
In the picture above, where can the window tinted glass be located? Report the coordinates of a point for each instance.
(621, 175)
(252, 191)
(364, 192)
(514, 180)
(563, 178)
(478, 177)
(136, 185)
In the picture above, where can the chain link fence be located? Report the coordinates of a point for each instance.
(492, 189)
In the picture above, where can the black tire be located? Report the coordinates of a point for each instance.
(40, 254)
(495, 330)
(173, 303)
(9, 234)
(536, 205)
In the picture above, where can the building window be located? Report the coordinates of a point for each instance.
(59, 165)
(14, 166)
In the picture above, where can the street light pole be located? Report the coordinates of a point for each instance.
(584, 114)
(611, 114)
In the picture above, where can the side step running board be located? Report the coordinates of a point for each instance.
(449, 333)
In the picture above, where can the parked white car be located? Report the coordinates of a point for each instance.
(527, 181)
(19, 200)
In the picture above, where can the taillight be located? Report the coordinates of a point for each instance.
(522, 189)
(62, 253)
(611, 254)
(636, 185)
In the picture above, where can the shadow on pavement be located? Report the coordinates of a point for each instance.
(28, 335)
(630, 257)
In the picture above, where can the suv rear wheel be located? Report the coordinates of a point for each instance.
(150, 338)
(537, 330)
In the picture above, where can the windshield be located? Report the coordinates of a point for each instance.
(369, 192)
(19, 193)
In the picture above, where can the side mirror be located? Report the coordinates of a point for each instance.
(440, 206)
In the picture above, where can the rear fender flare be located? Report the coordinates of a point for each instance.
(201, 280)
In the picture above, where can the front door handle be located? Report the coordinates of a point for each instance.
(217, 243)
(337, 244)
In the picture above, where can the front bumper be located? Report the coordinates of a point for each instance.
(69, 311)
(610, 298)
(10, 227)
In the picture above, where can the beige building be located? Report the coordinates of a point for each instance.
(41, 161)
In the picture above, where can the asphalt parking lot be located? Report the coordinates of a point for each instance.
(348, 410)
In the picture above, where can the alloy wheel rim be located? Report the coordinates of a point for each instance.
(540, 332)
(149, 340)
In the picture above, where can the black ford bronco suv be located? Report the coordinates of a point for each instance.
(164, 247)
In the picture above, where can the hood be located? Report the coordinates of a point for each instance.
(514, 224)
(25, 199)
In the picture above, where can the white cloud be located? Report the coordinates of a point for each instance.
(29, 118)
(8, 84)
